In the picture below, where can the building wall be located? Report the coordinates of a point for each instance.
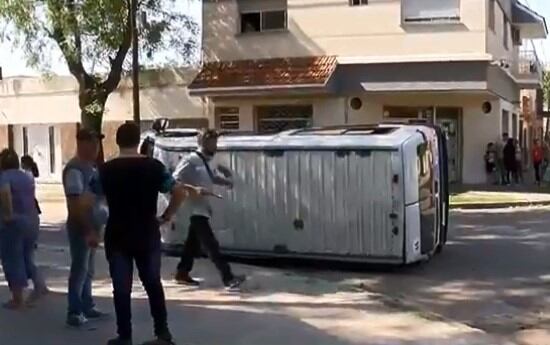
(495, 43)
(55, 101)
(3, 136)
(477, 128)
(374, 30)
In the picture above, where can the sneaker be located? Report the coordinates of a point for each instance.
(120, 341)
(235, 283)
(185, 279)
(76, 320)
(95, 314)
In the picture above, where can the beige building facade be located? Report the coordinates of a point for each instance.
(40, 116)
(271, 65)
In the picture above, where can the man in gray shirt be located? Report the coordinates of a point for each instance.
(86, 217)
(195, 170)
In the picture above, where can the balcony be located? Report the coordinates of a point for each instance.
(529, 70)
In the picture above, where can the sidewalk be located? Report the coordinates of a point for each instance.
(276, 308)
(491, 196)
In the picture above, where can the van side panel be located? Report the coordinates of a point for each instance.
(341, 203)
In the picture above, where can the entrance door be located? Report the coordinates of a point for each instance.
(448, 120)
(39, 142)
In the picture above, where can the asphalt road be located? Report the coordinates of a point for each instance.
(494, 275)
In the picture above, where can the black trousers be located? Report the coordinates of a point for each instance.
(201, 235)
(121, 267)
(537, 166)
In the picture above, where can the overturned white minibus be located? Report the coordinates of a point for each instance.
(368, 193)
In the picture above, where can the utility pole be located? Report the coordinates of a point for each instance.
(135, 62)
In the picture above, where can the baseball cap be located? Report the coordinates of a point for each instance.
(85, 134)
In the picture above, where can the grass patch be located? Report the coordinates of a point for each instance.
(487, 198)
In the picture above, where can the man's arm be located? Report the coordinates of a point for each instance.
(79, 202)
(225, 180)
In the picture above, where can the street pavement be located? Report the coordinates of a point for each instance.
(488, 287)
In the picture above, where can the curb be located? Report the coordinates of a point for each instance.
(486, 206)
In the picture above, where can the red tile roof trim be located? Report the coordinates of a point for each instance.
(314, 71)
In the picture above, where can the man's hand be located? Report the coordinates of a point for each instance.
(225, 171)
(92, 239)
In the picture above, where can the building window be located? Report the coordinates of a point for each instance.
(262, 21)
(277, 118)
(505, 32)
(25, 141)
(430, 11)
(227, 118)
(491, 11)
(358, 2)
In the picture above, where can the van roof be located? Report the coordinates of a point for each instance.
(378, 136)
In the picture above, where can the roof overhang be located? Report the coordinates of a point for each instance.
(292, 75)
(260, 90)
(531, 24)
(425, 86)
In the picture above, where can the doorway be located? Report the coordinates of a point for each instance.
(42, 143)
(448, 118)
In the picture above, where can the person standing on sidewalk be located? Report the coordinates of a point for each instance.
(19, 227)
(131, 184)
(538, 157)
(84, 223)
(195, 169)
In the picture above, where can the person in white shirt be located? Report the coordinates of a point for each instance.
(195, 170)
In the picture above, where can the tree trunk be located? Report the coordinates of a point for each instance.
(92, 107)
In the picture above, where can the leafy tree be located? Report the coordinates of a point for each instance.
(546, 88)
(94, 37)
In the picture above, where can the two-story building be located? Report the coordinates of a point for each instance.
(278, 64)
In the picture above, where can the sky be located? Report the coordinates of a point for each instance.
(13, 62)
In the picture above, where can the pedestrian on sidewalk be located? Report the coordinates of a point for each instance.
(19, 227)
(509, 159)
(31, 168)
(490, 164)
(518, 175)
(501, 168)
(131, 183)
(538, 157)
(195, 169)
(85, 220)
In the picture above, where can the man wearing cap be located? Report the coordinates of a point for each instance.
(86, 218)
(196, 170)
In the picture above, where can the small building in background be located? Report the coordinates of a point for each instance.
(40, 116)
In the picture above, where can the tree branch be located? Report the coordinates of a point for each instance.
(117, 63)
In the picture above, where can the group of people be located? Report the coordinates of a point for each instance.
(115, 202)
(504, 161)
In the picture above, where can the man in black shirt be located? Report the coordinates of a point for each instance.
(131, 184)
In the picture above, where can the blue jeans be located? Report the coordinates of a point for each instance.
(81, 275)
(17, 247)
(121, 267)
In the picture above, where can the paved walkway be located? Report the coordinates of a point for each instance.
(277, 307)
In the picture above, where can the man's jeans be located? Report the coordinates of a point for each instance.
(121, 267)
(81, 275)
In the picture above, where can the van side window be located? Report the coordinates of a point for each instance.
(425, 168)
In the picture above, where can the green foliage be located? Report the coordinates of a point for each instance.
(94, 37)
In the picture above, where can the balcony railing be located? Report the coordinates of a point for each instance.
(529, 67)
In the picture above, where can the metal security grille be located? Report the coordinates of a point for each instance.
(227, 118)
(274, 119)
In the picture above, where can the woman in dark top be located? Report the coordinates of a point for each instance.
(29, 166)
(509, 156)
